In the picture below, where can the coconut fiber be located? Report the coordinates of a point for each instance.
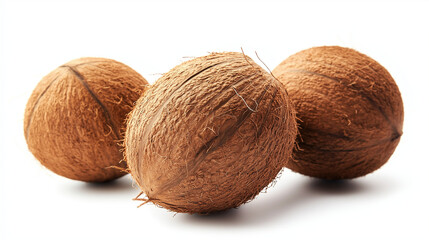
(210, 134)
(75, 117)
(350, 109)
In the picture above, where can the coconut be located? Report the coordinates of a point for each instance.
(210, 134)
(75, 118)
(350, 109)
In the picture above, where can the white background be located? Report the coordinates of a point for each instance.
(153, 37)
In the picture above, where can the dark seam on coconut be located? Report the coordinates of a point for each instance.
(105, 111)
(194, 75)
(354, 165)
(370, 100)
(369, 66)
(85, 63)
(159, 111)
(328, 133)
(212, 145)
(156, 115)
(348, 150)
(36, 104)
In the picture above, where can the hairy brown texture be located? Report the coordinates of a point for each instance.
(76, 115)
(351, 112)
(210, 134)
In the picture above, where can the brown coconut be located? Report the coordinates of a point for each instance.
(75, 118)
(350, 109)
(210, 134)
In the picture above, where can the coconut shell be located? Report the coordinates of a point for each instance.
(75, 118)
(210, 134)
(350, 109)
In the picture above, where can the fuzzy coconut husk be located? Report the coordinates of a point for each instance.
(210, 134)
(350, 109)
(76, 115)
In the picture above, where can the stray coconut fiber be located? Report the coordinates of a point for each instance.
(210, 134)
(350, 109)
(76, 115)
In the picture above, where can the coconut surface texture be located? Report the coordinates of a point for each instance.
(210, 134)
(75, 118)
(350, 109)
